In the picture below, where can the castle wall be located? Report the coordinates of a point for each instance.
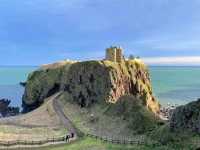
(119, 53)
(114, 54)
(111, 54)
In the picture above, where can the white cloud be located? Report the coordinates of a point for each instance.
(179, 60)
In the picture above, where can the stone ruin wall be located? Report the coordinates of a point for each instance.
(114, 54)
(119, 53)
(111, 54)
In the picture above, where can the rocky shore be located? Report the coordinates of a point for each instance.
(23, 84)
(6, 110)
(167, 111)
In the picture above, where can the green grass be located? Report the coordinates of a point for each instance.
(98, 124)
(176, 139)
(93, 144)
(126, 118)
(123, 116)
(41, 81)
(135, 114)
(29, 134)
(87, 143)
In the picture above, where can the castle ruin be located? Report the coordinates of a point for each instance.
(114, 54)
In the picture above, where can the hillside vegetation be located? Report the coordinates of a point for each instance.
(132, 111)
(40, 124)
(103, 99)
(90, 82)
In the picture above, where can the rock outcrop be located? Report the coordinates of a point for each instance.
(43, 83)
(186, 117)
(6, 110)
(92, 82)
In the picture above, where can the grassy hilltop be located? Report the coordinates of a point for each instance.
(91, 82)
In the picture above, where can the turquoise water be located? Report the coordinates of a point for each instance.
(177, 85)
(9, 83)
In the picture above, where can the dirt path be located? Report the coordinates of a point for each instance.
(58, 107)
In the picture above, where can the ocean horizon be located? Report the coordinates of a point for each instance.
(171, 84)
(10, 77)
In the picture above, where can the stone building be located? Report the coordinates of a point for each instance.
(114, 54)
(111, 54)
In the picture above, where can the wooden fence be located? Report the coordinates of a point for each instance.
(136, 141)
(39, 142)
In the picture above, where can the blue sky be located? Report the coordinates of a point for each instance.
(34, 32)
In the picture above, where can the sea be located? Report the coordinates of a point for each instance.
(10, 77)
(171, 84)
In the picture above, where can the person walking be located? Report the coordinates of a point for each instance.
(67, 138)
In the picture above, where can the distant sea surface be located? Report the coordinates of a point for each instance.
(176, 85)
(10, 77)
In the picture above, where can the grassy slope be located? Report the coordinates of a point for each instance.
(111, 126)
(13, 133)
(98, 124)
(42, 116)
(93, 144)
(132, 112)
(41, 81)
(176, 139)
(183, 142)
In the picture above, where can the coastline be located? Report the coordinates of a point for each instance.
(167, 111)
(10, 88)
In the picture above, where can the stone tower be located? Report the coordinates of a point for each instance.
(114, 54)
(111, 54)
(119, 54)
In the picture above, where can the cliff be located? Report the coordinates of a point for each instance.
(186, 117)
(43, 83)
(91, 82)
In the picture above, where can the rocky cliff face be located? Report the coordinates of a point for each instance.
(186, 117)
(92, 82)
(42, 83)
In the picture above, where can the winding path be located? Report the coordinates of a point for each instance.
(58, 107)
